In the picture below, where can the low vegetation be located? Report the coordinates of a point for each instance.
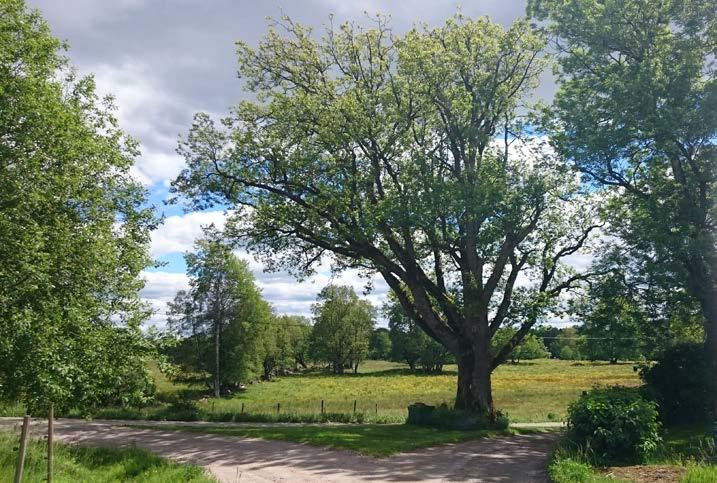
(535, 391)
(684, 452)
(615, 425)
(98, 465)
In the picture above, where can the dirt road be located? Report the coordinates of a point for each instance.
(233, 459)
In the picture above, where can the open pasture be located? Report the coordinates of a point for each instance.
(534, 391)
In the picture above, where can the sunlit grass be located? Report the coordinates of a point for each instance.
(74, 464)
(535, 391)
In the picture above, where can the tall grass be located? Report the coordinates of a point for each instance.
(75, 464)
(534, 391)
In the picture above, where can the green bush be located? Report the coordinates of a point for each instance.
(679, 382)
(615, 425)
(447, 418)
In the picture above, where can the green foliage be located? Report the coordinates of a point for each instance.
(342, 327)
(227, 328)
(680, 382)
(562, 343)
(81, 463)
(636, 114)
(381, 151)
(531, 347)
(700, 474)
(411, 344)
(287, 346)
(615, 425)
(74, 232)
(379, 345)
(612, 321)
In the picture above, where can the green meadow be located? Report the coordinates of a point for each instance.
(534, 391)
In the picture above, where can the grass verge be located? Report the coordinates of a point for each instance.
(689, 448)
(372, 440)
(98, 465)
(700, 473)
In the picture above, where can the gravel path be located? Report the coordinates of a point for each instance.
(233, 459)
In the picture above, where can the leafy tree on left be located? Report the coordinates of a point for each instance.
(74, 231)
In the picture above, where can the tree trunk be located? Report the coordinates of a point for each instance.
(702, 283)
(474, 383)
(709, 308)
(216, 361)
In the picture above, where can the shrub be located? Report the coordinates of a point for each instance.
(615, 425)
(447, 418)
(679, 382)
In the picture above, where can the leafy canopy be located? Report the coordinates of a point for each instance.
(74, 231)
(403, 156)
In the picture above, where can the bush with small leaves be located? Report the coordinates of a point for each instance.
(615, 425)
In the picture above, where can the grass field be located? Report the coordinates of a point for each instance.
(369, 439)
(534, 391)
(96, 465)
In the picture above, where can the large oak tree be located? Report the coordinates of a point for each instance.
(402, 156)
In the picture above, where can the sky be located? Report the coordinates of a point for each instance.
(166, 60)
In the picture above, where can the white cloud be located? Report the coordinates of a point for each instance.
(160, 288)
(158, 166)
(178, 233)
(145, 109)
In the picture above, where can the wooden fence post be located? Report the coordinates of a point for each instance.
(376, 409)
(322, 407)
(242, 408)
(278, 408)
(23, 448)
(354, 406)
(50, 440)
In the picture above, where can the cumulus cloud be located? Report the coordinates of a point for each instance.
(160, 288)
(285, 294)
(178, 232)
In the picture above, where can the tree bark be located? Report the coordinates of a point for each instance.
(216, 361)
(709, 309)
(702, 284)
(474, 383)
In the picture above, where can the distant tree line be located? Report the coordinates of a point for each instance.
(223, 333)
